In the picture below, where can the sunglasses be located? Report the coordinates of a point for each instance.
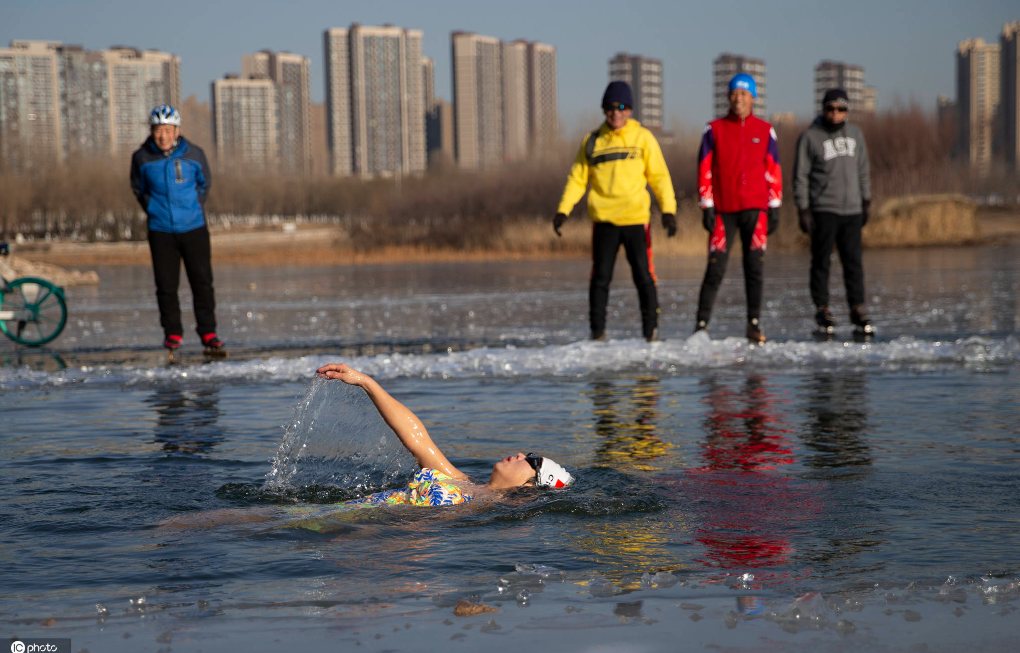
(534, 460)
(615, 107)
(835, 108)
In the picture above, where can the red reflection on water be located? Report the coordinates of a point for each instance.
(749, 509)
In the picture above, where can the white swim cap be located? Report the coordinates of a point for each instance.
(548, 473)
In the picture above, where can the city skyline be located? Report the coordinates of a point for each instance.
(908, 52)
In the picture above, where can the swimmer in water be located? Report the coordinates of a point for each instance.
(439, 482)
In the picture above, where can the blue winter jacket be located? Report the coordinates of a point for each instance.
(171, 186)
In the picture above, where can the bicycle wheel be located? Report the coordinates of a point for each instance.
(38, 308)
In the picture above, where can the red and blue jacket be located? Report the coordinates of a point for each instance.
(738, 165)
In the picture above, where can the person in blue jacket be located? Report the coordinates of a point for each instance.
(170, 177)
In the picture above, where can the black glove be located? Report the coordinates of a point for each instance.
(708, 219)
(865, 211)
(807, 221)
(773, 219)
(669, 224)
(558, 222)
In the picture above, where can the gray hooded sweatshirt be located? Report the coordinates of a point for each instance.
(831, 173)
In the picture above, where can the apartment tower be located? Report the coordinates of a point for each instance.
(869, 100)
(138, 80)
(836, 74)
(290, 75)
(516, 112)
(337, 53)
(644, 75)
(477, 100)
(977, 101)
(543, 109)
(60, 100)
(375, 109)
(85, 109)
(245, 122)
(30, 125)
(504, 99)
(724, 68)
(428, 81)
(1009, 86)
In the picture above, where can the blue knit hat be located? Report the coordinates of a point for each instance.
(746, 82)
(618, 93)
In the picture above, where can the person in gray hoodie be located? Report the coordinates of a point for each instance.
(832, 190)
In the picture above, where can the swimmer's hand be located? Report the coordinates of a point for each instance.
(343, 372)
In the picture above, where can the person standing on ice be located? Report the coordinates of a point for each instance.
(621, 159)
(740, 188)
(170, 178)
(832, 189)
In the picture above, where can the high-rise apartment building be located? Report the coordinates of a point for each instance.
(428, 90)
(477, 100)
(85, 109)
(428, 81)
(644, 75)
(543, 109)
(290, 74)
(60, 100)
(727, 65)
(245, 122)
(869, 100)
(337, 55)
(375, 100)
(977, 100)
(516, 113)
(836, 74)
(1009, 85)
(138, 80)
(504, 99)
(30, 125)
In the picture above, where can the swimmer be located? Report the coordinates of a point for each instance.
(439, 482)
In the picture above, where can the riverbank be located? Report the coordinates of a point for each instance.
(898, 224)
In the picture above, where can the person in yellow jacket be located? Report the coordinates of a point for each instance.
(620, 159)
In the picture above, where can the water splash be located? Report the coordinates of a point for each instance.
(338, 438)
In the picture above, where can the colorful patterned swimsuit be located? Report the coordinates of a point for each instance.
(427, 488)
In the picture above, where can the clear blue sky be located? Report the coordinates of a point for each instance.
(905, 46)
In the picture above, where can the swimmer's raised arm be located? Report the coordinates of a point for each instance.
(405, 424)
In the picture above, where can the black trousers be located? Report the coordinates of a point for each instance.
(752, 226)
(845, 232)
(167, 252)
(636, 239)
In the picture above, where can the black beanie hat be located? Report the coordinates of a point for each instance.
(618, 93)
(834, 95)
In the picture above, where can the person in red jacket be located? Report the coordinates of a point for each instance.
(740, 188)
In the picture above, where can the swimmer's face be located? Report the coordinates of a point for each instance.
(512, 471)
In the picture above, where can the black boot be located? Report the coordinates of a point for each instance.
(754, 332)
(824, 320)
(861, 320)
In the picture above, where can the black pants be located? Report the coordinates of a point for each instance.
(167, 252)
(636, 239)
(845, 232)
(752, 226)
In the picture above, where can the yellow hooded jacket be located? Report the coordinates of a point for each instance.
(623, 162)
